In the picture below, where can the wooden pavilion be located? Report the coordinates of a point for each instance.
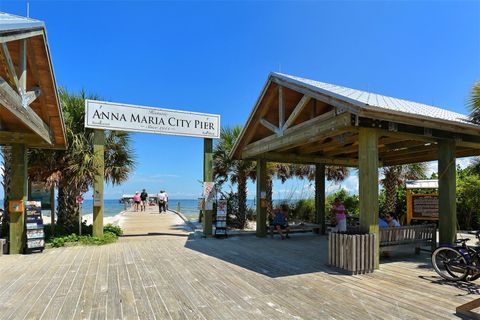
(30, 112)
(297, 120)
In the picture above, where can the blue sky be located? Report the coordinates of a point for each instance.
(214, 57)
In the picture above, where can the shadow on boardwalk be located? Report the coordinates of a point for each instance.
(301, 254)
(465, 286)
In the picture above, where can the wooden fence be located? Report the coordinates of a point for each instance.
(354, 253)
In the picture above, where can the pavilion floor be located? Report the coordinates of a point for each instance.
(169, 274)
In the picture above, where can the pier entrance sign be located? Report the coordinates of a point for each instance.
(124, 117)
(102, 115)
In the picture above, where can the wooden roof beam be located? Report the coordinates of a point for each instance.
(11, 68)
(296, 112)
(281, 108)
(15, 35)
(32, 140)
(339, 104)
(12, 101)
(270, 126)
(295, 158)
(305, 132)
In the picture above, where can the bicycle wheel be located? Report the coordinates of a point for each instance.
(449, 263)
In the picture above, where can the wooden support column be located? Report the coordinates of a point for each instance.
(368, 183)
(446, 192)
(52, 210)
(320, 196)
(98, 183)
(207, 177)
(18, 191)
(261, 198)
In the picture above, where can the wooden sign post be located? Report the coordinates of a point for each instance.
(18, 196)
(207, 177)
(102, 115)
(98, 183)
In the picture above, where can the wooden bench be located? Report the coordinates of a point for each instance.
(298, 228)
(418, 235)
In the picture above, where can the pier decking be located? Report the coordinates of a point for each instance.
(159, 271)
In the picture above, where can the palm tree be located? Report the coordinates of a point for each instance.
(394, 176)
(6, 183)
(73, 170)
(283, 172)
(473, 103)
(236, 171)
(239, 171)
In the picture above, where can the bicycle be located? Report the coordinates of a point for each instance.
(457, 262)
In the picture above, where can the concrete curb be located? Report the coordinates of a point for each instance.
(190, 224)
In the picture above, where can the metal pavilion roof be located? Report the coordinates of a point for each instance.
(368, 100)
(40, 125)
(10, 22)
(410, 129)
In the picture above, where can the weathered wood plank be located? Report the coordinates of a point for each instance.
(368, 182)
(296, 112)
(311, 129)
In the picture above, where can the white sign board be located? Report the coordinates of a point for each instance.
(209, 194)
(124, 117)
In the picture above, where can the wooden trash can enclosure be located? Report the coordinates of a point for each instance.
(353, 253)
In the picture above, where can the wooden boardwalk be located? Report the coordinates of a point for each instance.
(158, 271)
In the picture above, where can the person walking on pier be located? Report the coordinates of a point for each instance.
(136, 201)
(143, 198)
(162, 201)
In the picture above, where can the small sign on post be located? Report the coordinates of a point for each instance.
(221, 220)
(97, 199)
(209, 194)
(79, 199)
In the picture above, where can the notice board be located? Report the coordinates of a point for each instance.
(422, 207)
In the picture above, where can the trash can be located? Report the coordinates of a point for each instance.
(352, 253)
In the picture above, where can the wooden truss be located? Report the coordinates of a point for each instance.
(17, 98)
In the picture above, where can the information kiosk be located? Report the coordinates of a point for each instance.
(422, 206)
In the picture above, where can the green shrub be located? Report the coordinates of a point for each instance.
(113, 229)
(303, 209)
(108, 237)
(73, 239)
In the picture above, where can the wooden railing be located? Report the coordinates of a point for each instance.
(354, 253)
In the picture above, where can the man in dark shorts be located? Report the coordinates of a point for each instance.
(143, 199)
(280, 221)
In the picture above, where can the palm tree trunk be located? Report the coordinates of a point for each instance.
(68, 211)
(7, 179)
(391, 181)
(269, 198)
(242, 199)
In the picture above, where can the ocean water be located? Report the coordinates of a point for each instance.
(112, 207)
(189, 207)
